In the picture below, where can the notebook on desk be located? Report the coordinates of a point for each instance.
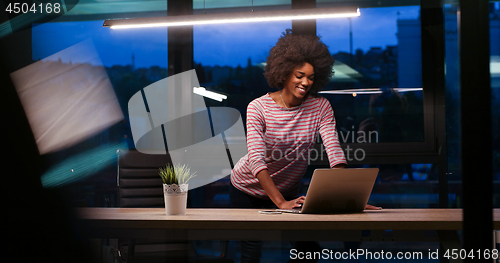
(337, 191)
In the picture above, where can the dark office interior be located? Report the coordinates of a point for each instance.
(423, 74)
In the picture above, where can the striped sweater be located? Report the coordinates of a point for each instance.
(281, 141)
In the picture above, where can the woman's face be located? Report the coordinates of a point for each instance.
(300, 81)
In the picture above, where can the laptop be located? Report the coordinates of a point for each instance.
(334, 190)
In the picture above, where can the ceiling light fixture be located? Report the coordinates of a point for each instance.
(239, 17)
(366, 91)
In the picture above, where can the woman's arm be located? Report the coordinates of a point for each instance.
(274, 194)
(328, 133)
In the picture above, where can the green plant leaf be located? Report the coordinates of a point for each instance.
(176, 174)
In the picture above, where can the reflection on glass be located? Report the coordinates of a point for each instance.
(132, 59)
(179, 123)
(495, 95)
(67, 102)
(129, 61)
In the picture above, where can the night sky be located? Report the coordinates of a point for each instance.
(221, 45)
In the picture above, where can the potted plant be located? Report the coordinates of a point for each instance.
(175, 186)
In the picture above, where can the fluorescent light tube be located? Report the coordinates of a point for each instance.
(209, 94)
(407, 89)
(367, 91)
(351, 91)
(239, 17)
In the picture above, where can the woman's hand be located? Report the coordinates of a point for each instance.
(292, 203)
(371, 207)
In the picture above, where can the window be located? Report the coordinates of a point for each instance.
(377, 94)
(376, 91)
(378, 82)
(130, 60)
(133, 59)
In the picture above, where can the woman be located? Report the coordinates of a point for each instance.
(282, 128)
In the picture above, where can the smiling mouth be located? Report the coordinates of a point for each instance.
(302, 89)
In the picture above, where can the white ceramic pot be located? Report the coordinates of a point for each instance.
(175, 198)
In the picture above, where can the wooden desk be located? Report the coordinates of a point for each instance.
(401, 225)
(238, 224)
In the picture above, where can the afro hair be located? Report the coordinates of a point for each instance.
(292, 51)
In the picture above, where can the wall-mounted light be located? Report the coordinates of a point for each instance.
(353, 91)
(209, 94)
(238, 17)
(356, 92)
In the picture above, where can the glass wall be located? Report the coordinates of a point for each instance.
(377, 86)
(376, 89)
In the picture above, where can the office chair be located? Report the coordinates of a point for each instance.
(139, 185)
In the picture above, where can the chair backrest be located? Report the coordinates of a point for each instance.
(139, 184)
